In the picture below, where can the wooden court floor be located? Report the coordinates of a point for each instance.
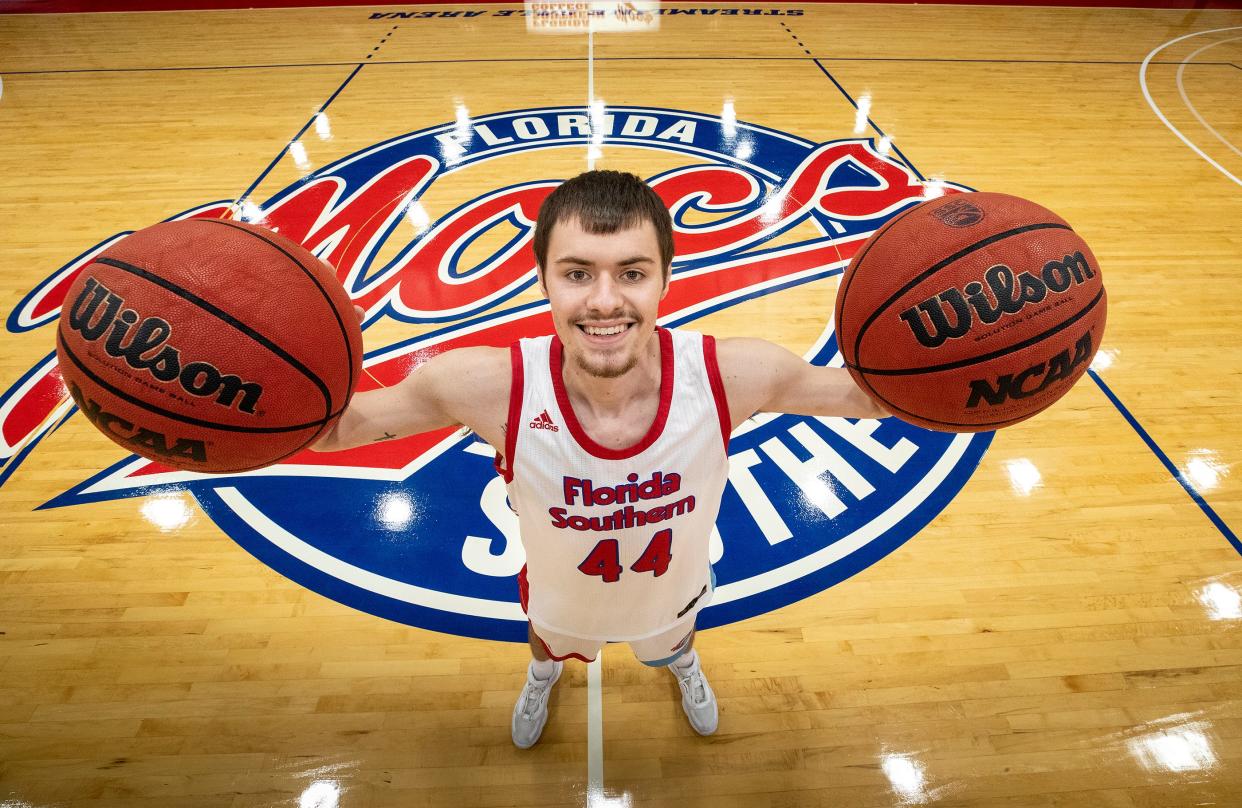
(1066, 630)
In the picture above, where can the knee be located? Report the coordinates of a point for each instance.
(538, 649)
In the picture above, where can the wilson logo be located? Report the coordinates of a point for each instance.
(930, 324)
(139, 438)
(544, 422)
(99, 310)
(1040, 376)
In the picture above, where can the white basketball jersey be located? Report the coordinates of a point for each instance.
(616, 540)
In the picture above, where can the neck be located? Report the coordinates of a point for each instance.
(607, 395)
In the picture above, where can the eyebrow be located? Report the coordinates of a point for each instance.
(636, 259)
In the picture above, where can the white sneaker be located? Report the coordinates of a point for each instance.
(531, 711)
(697, 698)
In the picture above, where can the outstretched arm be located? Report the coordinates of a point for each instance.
(760, 376)
(466, 386)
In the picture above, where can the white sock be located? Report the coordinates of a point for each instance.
(684, 662)
(543, 669)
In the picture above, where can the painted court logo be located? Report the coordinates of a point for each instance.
(418, 529)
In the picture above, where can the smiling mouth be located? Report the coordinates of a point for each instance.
(605, 331)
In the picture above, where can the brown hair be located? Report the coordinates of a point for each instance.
(604, 202)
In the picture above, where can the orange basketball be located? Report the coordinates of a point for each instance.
(209, 345)
(970, 312)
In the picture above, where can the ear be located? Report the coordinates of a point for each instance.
(543, 287)
(668, 274)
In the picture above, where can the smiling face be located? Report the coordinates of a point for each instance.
(604, 289)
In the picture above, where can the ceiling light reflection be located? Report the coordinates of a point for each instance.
(1183, 749)
(455, 143)
(323, 127)
(933, 188)
(596, 798)
(596, 115)
(1221, 601)
(462, 126)
(728, 119)
(417, 215)
(250, 212)
(395, 510)
(864, 111)
(771, 211)
(1023, 476)
(906, 777)
(1204, 469)
(298, 152)
(820, 494)
(167, 511)
(1103, 360)
(745, 149)
(321, 794)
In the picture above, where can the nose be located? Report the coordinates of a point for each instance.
(605, 296)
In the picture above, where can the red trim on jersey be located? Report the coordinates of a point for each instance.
(515, 413)
(575, 428)
(556, 658)
(524, 598)
(717, 384)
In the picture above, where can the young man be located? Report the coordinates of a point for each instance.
(612, 437)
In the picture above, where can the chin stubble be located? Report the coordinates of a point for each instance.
(606, 370)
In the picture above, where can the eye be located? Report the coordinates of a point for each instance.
(633, 275)
(577, 275)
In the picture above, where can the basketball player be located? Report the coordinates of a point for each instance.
(612, 437)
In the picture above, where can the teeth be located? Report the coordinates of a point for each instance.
(604, 332)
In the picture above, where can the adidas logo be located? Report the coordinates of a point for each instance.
(544, 422)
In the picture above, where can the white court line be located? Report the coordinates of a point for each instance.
(1161, 116)
(595, 733)
(1181, 89)
(591, 92)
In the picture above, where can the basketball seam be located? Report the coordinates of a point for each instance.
(858, 259)
(349, 351)
(927, 273)
(961, 363)
(283, 457)
(61, 344)
(969, 426)
(228, 319)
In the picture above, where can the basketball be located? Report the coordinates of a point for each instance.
(970, 312)
(209, 345)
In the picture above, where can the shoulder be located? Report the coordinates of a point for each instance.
(470, 384)
(466, 373)
(747, 356)
(750, 369)
(483, 359)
